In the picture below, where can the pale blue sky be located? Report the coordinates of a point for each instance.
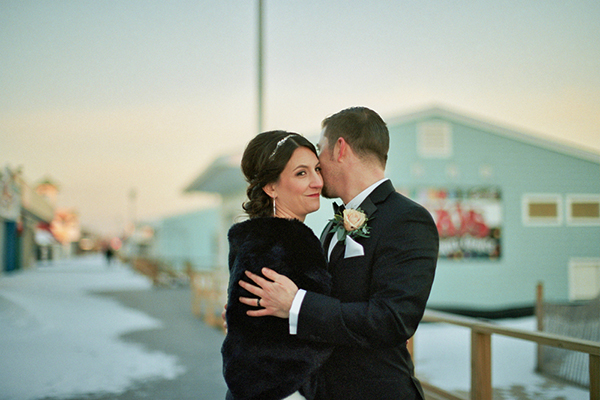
(105, 96)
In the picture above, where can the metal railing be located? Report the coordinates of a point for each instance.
(481, 352)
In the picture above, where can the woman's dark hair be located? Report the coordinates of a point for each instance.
(263, 161)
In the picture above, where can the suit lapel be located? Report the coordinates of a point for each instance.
(369, 207)
(337, 252)
(326, 236)
(381, 192)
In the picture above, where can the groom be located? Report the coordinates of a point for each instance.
(380, 283)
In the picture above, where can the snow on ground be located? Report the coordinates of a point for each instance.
(59, 340)
(443, 358)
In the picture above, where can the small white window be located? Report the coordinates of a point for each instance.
(542, 210)
(584, 278)
(434, 139)
(583, 209)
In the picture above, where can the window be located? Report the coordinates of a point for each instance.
(584, 278)
(542, 210)
(434, 139)
(583, 209)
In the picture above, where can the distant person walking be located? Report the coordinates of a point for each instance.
(109, 253)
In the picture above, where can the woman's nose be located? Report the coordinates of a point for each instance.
(317, 181)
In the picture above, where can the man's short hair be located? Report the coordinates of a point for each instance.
(363, 129)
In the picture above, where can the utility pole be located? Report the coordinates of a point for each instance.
(132, 210)
(260, 66)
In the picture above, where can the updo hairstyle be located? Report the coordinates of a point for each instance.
(263, 161)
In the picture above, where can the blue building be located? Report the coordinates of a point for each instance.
(512, 209)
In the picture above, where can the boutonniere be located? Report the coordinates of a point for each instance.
(350, 222)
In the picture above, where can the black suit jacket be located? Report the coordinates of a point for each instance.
(377, 301)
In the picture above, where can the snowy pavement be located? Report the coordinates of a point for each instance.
(58, 339)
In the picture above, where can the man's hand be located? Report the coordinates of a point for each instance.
(276, 294)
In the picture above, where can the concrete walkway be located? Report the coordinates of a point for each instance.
(196, 345)
(79, 330)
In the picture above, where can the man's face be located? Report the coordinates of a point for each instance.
(327, 167)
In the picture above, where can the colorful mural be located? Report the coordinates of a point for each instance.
(469, 220)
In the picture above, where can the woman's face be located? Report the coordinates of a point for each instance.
(298, 189)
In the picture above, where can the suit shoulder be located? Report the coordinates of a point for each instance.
(407, 202)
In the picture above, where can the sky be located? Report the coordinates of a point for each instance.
(114, 97)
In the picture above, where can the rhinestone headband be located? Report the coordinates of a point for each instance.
(281, 142)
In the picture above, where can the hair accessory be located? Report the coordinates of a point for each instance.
(282, 141)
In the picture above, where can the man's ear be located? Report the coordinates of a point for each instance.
(342, 148)
(269, 189)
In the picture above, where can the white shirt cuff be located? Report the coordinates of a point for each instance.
(295, 310)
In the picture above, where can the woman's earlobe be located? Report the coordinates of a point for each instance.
(269, 189)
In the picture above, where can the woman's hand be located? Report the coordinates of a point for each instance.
(275, 294)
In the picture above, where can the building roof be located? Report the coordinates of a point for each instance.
(223, 176)
(477, 123)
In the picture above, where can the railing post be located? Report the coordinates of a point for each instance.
(481, 365)
(539, 315)
(594, 377)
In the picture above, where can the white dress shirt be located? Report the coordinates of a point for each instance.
(297, 303)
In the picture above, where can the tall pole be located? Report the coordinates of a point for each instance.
(260, 66)
(132, 210)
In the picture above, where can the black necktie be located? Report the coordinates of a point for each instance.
(338, 209)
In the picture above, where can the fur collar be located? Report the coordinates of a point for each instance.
(261, 360)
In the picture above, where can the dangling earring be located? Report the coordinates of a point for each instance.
(274, 208)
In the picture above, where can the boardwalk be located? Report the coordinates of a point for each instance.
(196, 345)
(58, 340)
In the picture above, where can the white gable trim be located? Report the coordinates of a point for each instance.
(530, 138)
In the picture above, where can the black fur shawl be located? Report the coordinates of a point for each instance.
(261, 360)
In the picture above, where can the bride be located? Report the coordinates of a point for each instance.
(261, 360)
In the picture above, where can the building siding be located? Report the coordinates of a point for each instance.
(530, 254)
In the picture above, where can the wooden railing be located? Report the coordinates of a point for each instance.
(209, 290)
(481, 352)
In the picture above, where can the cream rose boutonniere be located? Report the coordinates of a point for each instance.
(351, 223)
